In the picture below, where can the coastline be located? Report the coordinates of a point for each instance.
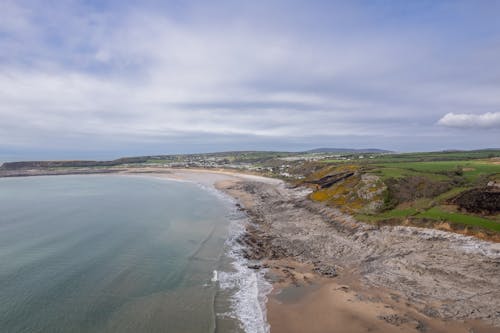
(357, 278)
(331, 273)
(249, 287)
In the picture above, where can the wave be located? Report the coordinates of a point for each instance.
(214, 276)
(248, 302)
(249, 287)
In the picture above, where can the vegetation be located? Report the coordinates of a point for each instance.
(437, 213)
(419, 189)
(459, 189)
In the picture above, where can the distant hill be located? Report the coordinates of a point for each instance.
(71, 164)
(347, 150)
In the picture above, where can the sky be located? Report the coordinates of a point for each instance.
(104, 79)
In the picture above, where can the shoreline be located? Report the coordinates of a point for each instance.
(331, 273)
(440, 282)
(251, 287)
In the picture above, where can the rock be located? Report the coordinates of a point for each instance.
(394, 319)
(479, 200)
(254, 266)
(422, 265)
(430, 312)
(329, 180)
(421, 327)
(327, 271)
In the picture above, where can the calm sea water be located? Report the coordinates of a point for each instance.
(120, 254)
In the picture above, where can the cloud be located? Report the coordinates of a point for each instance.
(156, 74)
(469, 120)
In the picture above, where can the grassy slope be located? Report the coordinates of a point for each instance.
(437, 213)
(439, 169)
(470, 168)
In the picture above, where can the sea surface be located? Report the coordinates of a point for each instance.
(123, 254)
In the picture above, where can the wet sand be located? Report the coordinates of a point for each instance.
(318, 291)
(311, 303)
(332, 274)
(345, 276)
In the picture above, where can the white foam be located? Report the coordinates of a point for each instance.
(248, 302)
(214, 277)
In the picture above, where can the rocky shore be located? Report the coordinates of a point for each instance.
(351, 276)
(427, 278)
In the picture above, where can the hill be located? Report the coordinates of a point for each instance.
(348, 150)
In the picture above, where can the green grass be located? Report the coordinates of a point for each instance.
(462, 170)
(434, 213)
(336, 161)
(437, 213)
(399, 213)
(394, 171)
(395, 213)
(437, 170)
(450, 194)
(436, 156)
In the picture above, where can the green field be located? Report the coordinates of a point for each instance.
(438, 156)
(434, 213)
(437, 213)
(419, 187)
(437, 170)
(395, 213)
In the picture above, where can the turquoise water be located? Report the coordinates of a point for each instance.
(112, 254)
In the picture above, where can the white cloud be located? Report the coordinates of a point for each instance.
(145, 75)
(469, 120)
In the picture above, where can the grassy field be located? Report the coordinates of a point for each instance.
(470, 169)
(396, 170)
(435, 213)
(395, 213)
(438, 213)
(419, 187)
(438, 156)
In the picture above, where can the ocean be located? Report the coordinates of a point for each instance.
(123, 253)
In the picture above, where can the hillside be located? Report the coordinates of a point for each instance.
(452, 190)
(347, 150)
(458, 191)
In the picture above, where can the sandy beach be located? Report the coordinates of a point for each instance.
(331, 273)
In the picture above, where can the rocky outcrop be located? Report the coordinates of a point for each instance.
(329, 180)
(484, 200)
(414, 187)
(447, 275)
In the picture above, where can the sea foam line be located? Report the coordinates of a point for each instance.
(248, 303)
(249, 300)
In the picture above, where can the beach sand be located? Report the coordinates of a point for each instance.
(343, 304)
(304, 301)
(392, 280)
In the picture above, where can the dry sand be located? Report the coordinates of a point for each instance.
(331, 273)
(344, 304)
(397, 278)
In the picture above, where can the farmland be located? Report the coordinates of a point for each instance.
(421, 189)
